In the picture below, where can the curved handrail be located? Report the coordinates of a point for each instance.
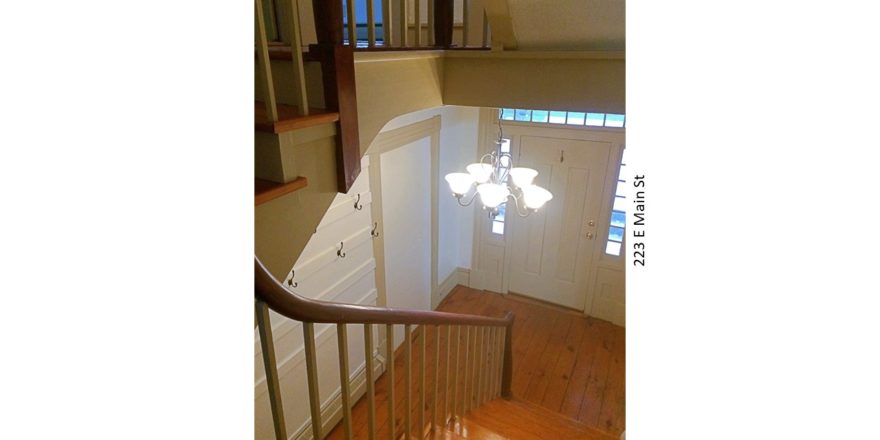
(293, 306)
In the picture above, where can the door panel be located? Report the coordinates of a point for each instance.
(551, 255)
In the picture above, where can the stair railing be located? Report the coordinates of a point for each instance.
(487, 371)
(264, 68)
(398, 32)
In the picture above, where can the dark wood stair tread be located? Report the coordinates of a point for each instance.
(265, 190)
(289, 118)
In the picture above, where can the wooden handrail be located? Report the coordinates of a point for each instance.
(296, 307)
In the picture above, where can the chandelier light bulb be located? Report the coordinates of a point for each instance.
(523, 177)
(492, 194)
(460, 183)
(535, 197)
(481, 172)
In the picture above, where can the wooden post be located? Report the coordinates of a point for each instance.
(507, 372)
(418, 22)
(371, 393)
(403, 22)
(371, 24)
(299, 73)
(267, 344)
(443, 15)
(407, 386)
(352, 24)
(312, 377)
(265, 69)
(389, 370)
(340, 95)
(387, 25)
(344, 380)
(465, 22)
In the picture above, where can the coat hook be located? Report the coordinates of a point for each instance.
(562, 156)
(357, 203)
(374, 233)
(339, 251)
(290, 281)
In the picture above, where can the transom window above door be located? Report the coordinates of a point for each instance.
(563, 117)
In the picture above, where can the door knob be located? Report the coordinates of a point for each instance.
(589, 235)
(592, 223)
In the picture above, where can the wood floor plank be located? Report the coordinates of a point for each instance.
(595, 391)
(612, 417)
(562, 371)
(554, 347)
(580, 374)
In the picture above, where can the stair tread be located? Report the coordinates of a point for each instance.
(265, 190)
(468, 428)
(523, 420)
(444, 434)
(289, 118)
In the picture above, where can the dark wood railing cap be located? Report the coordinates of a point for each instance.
(293, 306)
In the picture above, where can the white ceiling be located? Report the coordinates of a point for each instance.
(569, 24)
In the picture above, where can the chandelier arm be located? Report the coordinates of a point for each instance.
(516, 204)
(469, 202)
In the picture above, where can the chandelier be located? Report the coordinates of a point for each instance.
(496, 181)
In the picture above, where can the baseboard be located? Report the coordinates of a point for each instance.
(444, 288)
(464, 276)
(331, 413)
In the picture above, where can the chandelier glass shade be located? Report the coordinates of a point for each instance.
(497, 180)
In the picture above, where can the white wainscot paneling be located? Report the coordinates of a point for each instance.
(321, 274)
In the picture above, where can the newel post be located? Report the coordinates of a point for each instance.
(507, 373)
(337, 72)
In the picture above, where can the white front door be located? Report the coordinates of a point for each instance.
(552, 251)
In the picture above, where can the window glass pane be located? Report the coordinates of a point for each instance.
(540, 115)
(615, 233)
(498, 228)
(621, 188)
(596, 119)
(502, 209)
(507, 114)
(523, 115)
(612, 248)
(576, 118)
(557, 117)
(618, 219)
(619, 204)
(505, 145)
(614, 120)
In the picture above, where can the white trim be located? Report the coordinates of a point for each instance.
(439, 294)
(464, 276)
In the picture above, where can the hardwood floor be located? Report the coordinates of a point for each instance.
(562, 360)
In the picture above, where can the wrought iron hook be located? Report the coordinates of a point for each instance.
(374, 233)
(290, 281)
(339, 252)
(357, 203)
